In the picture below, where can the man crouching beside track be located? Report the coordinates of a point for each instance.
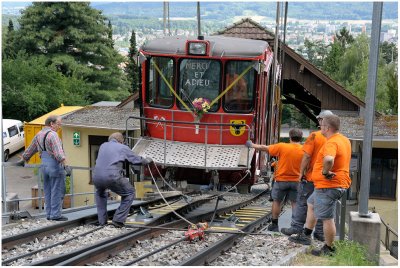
(287, 174)
(331, 180)
(109, 174)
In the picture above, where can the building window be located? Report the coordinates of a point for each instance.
(383, 174)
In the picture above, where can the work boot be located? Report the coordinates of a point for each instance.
(290, 231)
(62, 218)
(273, 227)
(97, 223)
(301, 238)
(325, 250)
(319, 237)
(118, 224)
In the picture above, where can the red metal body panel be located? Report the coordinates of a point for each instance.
(186, 129)
(187, 132)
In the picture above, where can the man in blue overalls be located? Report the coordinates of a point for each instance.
(109, 174)
(54, 166)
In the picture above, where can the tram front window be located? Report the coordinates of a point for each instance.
(158, 91)
(239, 98)
(199, 78)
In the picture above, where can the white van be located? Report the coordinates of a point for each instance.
(13, 137)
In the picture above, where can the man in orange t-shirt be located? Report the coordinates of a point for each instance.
(287, 173)
(331, 180)
(311, 148)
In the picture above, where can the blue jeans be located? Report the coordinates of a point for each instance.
(118, 185)
(53, 185)
(299, 214)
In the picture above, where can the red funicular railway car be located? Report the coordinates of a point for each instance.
(202, 98)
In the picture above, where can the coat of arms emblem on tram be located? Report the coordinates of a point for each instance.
(236, 128)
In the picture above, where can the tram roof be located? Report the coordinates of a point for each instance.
(221, 46)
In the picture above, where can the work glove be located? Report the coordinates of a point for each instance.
(20, 163)
(147, 160)
(68, 170)
(249, 144)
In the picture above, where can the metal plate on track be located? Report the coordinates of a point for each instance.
(195, 155)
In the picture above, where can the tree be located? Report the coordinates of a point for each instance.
(110, 31)
(389, 51)
(333, 60)
(75, 39)
(392, 85)
(131, 68)
(31, 87)
(344, 37)
(315, 51)
(353, 56)
(9, 42)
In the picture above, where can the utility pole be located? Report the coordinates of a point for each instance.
(164, 17)
(370, 109)
(275, 85)
(198, 20)
(169, 25)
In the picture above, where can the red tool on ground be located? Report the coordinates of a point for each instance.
(196, 232)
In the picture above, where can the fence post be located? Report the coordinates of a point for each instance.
(71, 188)
(4, 189)
(342, 216)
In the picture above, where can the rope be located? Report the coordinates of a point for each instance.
(169, 185)
(158, 190)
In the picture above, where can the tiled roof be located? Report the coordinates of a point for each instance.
(106, 117)
(385, 127)
(247, 28)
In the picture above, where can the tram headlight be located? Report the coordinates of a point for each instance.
(197, 48)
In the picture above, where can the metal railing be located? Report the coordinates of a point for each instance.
(386, 241)
(171, 124)
(40, 196)
(340, 217)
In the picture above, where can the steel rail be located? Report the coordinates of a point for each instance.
(10, 260)
(154, 252)
(79, 256)
(128, 240)
(102, 250)
(209, 254)
(10, 241)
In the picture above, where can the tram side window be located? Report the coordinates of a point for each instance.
(158, 91)
(240, 97)
(199, 78)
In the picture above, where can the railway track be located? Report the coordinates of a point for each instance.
(173, 248)
(33, 229)
(103, 236)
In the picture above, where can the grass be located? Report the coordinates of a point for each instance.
(348, 253)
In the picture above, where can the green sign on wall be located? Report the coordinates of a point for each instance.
(76, 138)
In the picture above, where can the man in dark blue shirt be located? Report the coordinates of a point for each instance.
(109, 174)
